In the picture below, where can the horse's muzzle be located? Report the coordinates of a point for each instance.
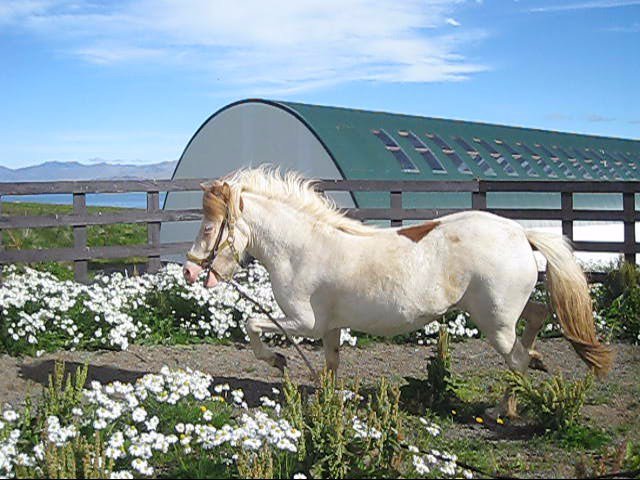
(191, 271)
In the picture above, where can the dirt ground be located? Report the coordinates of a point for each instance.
(613, 405)
(236, 365)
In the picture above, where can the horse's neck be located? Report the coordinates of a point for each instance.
(276, 229)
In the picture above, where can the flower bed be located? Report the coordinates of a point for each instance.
(177, 422)
(41, 313)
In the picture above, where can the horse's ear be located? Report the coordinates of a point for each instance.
(226, 191)
(212, 187)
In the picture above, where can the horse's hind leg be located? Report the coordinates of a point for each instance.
(505, 341)
(498, 323)
(535, 313)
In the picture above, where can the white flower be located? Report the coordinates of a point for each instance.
(124, 474)
(433, 429)
(10, 416)
(139, 414)
(142, 466)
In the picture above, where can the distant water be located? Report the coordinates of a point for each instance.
(123, 200)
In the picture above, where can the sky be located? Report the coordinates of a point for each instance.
(130, 81)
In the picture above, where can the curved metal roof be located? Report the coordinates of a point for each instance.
(379, 145)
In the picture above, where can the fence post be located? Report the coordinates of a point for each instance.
(153, 231)
(566, 205)
(629, 208)
(479, 198)
(80, 267)
(396, 202)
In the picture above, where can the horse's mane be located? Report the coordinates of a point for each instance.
(293, 189)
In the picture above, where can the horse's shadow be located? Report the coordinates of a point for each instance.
(41, 372)
(415, 399)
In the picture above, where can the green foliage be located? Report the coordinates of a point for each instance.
(61, 394)
(440, 383)
(117, 234)
(344, 437)
(623, 315)
(83, 457)
(56, 237)
(615, 461)
(632, 456)
(442, 392)
(622, 277)
(554, 403)
(582, 438)
(618, 301)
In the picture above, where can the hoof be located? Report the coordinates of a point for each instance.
(508, 408)
(512, 408)
(280, 362)
(536, 362)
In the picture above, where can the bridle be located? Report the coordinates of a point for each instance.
(219, 245)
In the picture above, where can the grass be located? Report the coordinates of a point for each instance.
(59, 237)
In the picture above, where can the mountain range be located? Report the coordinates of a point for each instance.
(53, 171)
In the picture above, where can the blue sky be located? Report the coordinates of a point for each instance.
(130, 81)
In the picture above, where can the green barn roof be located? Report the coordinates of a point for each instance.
(378, 145)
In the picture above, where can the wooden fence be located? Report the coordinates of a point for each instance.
(153, 216)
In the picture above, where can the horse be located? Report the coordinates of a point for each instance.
(330, 272)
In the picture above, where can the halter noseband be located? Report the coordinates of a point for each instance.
(207, 262)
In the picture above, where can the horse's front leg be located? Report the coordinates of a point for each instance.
(258, 326)
(331, 344)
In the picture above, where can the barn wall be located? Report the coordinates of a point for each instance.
(244, 135)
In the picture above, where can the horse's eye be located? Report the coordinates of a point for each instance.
(208, 229)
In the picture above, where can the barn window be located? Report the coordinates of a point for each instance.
(475, 155)
(524, 163)
(504, 164)
(589, 159)
(572, 159)
(468, 148)
(424, 151)
(539, 160)
(627, 161)
(449, 152)
(406, 164)
(556, 160)
(492, 151)
(547, 152)
(528, 149)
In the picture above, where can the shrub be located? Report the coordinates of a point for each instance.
(616, 461)
(618, 302)
(554, 403)
(440, 384)
(340, 437)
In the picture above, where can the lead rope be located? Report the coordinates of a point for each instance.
(269, 315)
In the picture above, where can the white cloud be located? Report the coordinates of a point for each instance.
(632, 28)
(266, 46)
(595, 117)
(594, 4)
(12, 10)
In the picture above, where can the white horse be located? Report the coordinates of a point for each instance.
(330, 272)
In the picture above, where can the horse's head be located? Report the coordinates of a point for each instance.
(220, 245)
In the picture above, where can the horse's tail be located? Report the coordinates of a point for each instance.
(571, 301)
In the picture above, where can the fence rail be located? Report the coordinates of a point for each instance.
(396, 213)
